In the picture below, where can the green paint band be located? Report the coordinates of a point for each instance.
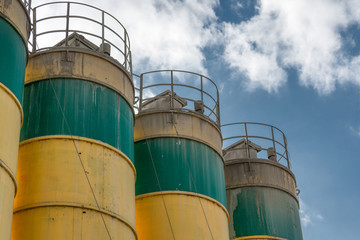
(170, 156)
(91, 110)
(12, 59)
(264, 211)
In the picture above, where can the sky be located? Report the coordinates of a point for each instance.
(293, 64)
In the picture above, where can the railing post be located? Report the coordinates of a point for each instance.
(29, 6)
(103, 28)
(218, 109)
(141, 92)
(67, 25)
(286, 151)
(172, 90)
(247, 140)
(125, 49)
(201, 87)
(273, 139)
(130, 62)
(34, 31)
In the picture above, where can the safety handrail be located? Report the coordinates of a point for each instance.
(210, 101)
(118, 40)
(27, 5)
(275, 142)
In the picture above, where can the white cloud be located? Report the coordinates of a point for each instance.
(301, 34)
(168, 34)
(165, 34)
(308, 216)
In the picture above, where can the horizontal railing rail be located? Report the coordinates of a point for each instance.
(102, 30)
(205, 90)
(277, 139)
(27, 5)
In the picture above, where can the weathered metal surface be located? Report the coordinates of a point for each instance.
(191, 126)
(186, 216)
(104, 31)
(54, 199)
(261, 193)
(13, 36)
(241, 149)
(13, 59)
(15, 13)
(79, 65)
(259, 172)
(91, 111)
(261, 199)
(174, 158)
(263, 211)
(10, 123)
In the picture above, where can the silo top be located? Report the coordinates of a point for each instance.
(178, 91)
(250, 140)
(82, 28)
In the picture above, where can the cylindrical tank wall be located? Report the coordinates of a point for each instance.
(54, 199)
(261, 200)
(190, 201)
(14, 23)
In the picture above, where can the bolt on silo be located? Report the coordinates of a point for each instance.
(76, 174)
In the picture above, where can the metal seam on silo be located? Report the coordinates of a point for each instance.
(14, 23)
(48, 164)
(155, 129)
(192, 179)
(158, 182)
(81, 162)
(260, 188)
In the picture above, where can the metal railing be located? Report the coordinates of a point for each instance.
(61, 22)
(27, 5)
(201, 91)
(266, 136)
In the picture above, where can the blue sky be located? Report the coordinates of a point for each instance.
(294, 64)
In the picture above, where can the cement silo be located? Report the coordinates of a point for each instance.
(180, 190)
(76, 174)
(14, 33)
(260, 187)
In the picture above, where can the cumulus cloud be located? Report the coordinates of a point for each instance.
(308, 216)
(306, 35)
(300, 34)
(165, 34)
(169, 34)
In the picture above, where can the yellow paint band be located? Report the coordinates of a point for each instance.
(74, 205)
(178, 215)
(10, 123)
(152, 124)
(59, 223)
(14, 98)
(77, 138)
(259, 237)
(54, 190)
(186, 194)
(10, 173)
